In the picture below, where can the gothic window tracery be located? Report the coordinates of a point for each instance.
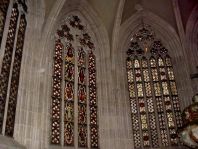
(11, 64)
(75, 77)
(155, 109)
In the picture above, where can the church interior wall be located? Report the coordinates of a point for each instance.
(32, 124)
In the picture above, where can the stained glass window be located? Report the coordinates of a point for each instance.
(155, 109)
(11, 64)
(9, 130)
(3, 12)
(7, 59)
(74, 57)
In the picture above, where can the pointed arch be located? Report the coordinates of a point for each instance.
(170, 40)
(166, 33)
(96, 30)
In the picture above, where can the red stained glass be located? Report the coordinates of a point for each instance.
(155, 109)
(79, 85)
(69, 91)
(56, 94)
(69, 134)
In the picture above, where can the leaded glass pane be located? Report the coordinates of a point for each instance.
(153, 62)
(93, 101)
(162, 74)
(173, 88)
(165, 88)
(82, 103)
(144, 63)
(160, 62)
(168, 61)
(136, 63)
(82, 139)
(148, 89)
(75, 59)
(56, 94)
(7, 59)
(130, 76)
(157, 89)
(140, 90)
(68, 133)
(138, 76)
(146, 75)
(155, 109)
(129, 63)
(154, 73)
(170, 73)
(9, 131)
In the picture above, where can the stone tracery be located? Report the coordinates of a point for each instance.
(80, 89)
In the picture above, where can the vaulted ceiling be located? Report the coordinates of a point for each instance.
(107, 10)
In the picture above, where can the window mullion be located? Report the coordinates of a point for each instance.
(76, 96)
(74, 109)
(62, 97)
(88, 100)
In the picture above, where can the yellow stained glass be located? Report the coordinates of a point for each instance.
(130, 75)
(144, 121)
(146, 75)
(157, 89)
(160, 61)
(173, 88)
(140, 90)
(148, 89)
(170, 73)
(165, 88)
(153, 62)
(138, 75)
(129, 64)
(144, 63)
(154, 74)
(136, 63)
(131, 90)
(162, 74)
(170, 120)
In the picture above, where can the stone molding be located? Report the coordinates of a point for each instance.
(9, 143)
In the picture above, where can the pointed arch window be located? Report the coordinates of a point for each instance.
(74, 87)
(11, 64)
(155, 109)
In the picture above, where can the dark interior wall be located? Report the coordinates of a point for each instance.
(186, 7)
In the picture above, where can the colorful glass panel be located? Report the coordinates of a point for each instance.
(69, 95)
(170, 73)
(155, 109)
(79, 83)
(93, 101)
(82, 103)
(56, 94)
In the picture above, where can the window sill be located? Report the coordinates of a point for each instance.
(9, 143)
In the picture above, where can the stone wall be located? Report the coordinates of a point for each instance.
(32, 126)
